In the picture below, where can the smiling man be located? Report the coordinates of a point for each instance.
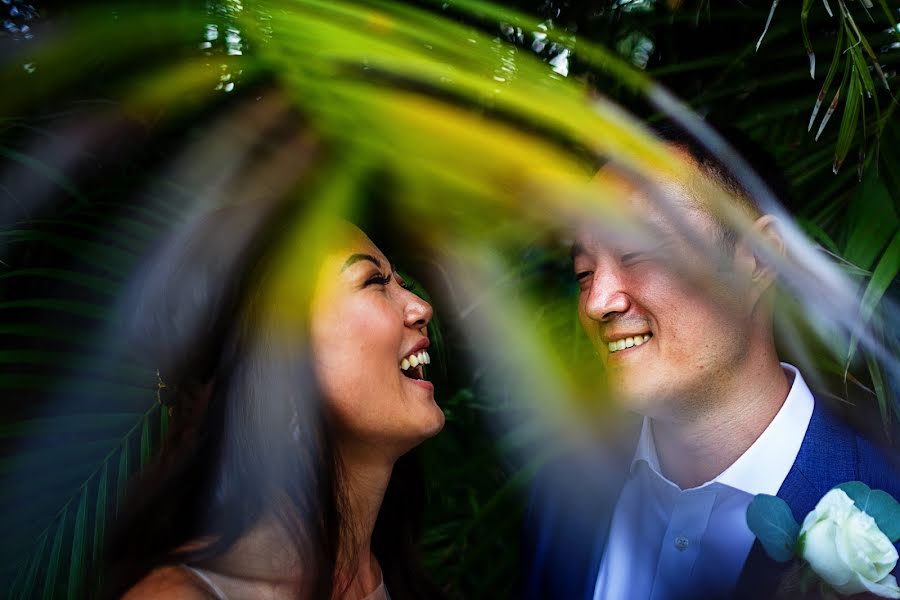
(681, 316)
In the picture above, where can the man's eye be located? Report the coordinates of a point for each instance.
(582, 275)
(658, 252)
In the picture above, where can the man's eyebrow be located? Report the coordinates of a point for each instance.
(355, 258)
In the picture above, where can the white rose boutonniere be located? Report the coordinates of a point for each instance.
(846, 540)
(847, 549)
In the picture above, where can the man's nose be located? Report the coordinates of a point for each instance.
(607, 296)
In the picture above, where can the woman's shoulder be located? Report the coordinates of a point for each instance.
(169, 582)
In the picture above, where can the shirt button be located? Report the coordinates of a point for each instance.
(681, 543)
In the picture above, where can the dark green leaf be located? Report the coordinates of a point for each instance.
(122, 476)
(884, 274)
(49, 590)
(100, 512)
(77, 568)
(804, 28)
(864, 42)
(121, 233)
(43, 332)
(890, 17)
(96, 284)
(56, 457)
(108, 258)
(72, 307)
(880, 392)
(145, 442)
(829, 77)
(768, 22)
(832, 107)
(31, 566)
(128, 396)
(95, 424)
(862, 69)
(42, 169)
(163, 424)
(871, 221)
(850, 120)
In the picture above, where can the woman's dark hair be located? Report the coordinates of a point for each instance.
(249, 435)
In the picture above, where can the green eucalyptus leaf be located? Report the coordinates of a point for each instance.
(878, 504)
(771, 520)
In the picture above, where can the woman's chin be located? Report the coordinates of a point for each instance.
(438, 423)
(426, 427)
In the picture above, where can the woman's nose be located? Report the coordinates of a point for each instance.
(418, 312)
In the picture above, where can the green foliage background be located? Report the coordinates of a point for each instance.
(79, 416)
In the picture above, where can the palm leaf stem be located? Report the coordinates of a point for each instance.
(83, 487)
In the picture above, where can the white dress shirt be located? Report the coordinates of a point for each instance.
(666, 543)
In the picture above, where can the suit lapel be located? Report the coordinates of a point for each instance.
(827, 457)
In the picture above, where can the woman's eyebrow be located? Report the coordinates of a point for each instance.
(355, 258)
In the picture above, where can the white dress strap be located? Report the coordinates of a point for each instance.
(216, 590)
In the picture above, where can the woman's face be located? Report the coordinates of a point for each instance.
(365, 327)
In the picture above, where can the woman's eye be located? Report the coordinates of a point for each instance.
(378, 280)
(407, 285)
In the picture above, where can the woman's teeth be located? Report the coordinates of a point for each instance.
(414, 360)
(628, 342)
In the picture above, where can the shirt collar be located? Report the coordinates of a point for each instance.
(766, 463)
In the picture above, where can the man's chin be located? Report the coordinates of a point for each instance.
(642, 402)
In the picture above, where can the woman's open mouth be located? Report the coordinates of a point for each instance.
(413, 366)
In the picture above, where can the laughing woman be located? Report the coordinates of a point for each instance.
(298, 390)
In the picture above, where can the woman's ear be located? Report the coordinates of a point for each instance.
(755, 251)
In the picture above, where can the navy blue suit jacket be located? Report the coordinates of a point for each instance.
(571, 504)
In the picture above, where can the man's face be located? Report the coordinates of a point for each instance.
(665, 311)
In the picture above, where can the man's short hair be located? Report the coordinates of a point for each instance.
(711, 166)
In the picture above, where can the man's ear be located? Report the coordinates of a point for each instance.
(754, 251)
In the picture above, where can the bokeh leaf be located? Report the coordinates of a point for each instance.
(77, 563)
(53, 563)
